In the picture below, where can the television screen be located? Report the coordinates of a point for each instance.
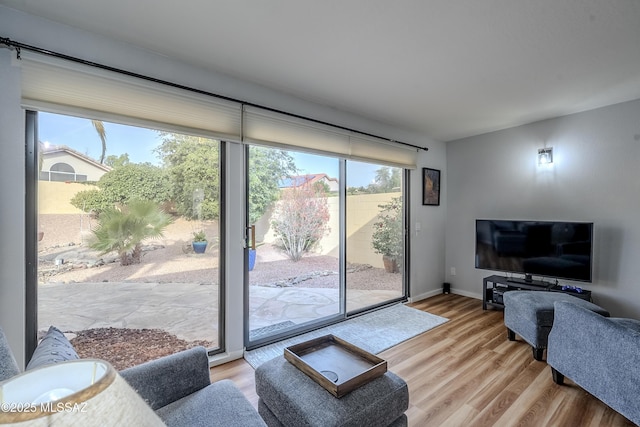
(561, 250)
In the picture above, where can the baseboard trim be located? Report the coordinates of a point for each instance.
(466, 293)
(425, 295)
(219, 359)
(439, 291)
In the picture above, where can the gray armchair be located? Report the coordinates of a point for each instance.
(600, 354)
(179, 389)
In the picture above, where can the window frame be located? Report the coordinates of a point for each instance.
(31, 241)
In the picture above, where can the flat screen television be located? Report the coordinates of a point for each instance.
(560, 250)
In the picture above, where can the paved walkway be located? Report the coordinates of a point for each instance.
(189, 311)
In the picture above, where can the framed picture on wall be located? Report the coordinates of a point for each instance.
(430, 187)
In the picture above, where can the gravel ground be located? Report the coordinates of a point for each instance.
(171, 259)
(124, 348)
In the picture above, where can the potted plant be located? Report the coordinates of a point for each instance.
(252, 248)
(199, 242)
(387, 238)
(252, 258)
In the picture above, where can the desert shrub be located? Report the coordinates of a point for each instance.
(124, 229)
(387, 230)
(301, 219)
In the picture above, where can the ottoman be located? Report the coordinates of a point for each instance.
(289, 398)
(530, 315)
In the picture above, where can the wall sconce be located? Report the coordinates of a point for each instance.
(545, 156)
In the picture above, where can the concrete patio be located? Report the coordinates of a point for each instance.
(186, 310)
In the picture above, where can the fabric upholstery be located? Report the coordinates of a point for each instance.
(632, 324)
(530, 314)
(537, 306)
(53, 348)
(599, 354)
(294, 399)
(170, 378)
(179, 389)
(8, 364)
(272, 421)
(220, 404)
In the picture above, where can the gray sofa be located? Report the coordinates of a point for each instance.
(177, 387)
(600, 354)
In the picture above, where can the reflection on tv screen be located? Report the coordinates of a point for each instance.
(553, 249)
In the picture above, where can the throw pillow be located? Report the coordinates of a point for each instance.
(8, 365)
(53, 348)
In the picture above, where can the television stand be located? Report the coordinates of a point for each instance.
(494, 287)
(528, 281)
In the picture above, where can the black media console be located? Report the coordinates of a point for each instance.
(494, 287)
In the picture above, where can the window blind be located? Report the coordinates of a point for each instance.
(62, 86)
(275, 129)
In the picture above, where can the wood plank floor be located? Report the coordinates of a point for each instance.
(466, 373)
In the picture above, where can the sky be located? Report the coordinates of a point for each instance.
(139, 143)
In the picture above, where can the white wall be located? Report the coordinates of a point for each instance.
(12, 208)
(427, 272)
(595, 177)
(427, 245)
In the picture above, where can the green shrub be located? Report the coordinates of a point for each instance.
(387, 235)
(122, 184)
(124, 229)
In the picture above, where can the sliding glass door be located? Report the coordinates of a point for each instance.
(286, 193)
(317, 245)
(375, 235)
(294, 233)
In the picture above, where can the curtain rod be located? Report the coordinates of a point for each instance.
(18, 46)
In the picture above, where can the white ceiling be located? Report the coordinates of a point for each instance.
(446, 68)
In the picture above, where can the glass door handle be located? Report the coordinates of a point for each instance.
(252, 229)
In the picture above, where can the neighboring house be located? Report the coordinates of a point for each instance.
(300, 180)
(63, 164)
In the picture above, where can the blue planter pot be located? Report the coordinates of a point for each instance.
(199, 247)
(252, 259)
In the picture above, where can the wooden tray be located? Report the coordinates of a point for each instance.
(337, 365)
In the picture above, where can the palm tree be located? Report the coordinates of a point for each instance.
(123, 229)
(387, 179)
(102, 133)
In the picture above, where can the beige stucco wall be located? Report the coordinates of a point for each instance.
(362, 211)
(54, 197)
